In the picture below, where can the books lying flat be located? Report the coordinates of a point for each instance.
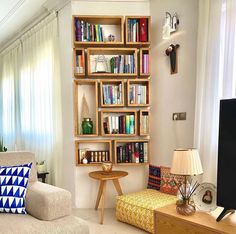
(112, 94)
(123, 124)
(133, 152)
(88, 32)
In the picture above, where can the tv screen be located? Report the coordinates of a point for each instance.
(226, 176)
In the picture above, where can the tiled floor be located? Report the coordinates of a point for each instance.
(110, 225)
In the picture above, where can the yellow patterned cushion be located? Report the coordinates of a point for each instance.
(138, 208)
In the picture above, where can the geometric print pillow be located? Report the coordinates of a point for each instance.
(154, 178)
(169, 181)
(13, 184)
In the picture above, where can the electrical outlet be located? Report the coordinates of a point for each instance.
(179, 116)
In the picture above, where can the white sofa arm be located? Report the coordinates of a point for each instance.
(47, 202)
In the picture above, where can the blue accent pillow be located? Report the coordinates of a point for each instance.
(13, 184)
(154, 178)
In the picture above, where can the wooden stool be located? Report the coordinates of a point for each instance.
(103, 177)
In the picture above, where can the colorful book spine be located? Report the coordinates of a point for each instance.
(137, 30)
(138, 94)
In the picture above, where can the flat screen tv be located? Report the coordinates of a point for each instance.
(226, 174)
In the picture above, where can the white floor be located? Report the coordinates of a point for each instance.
(110, 224)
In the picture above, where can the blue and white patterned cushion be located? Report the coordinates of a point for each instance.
(13, 184)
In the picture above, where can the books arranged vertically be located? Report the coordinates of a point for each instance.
(137, 30)
(122, 64)
(122, 124)
(145, 63)
(145, 124)
(132, 152)
(138, 94)
(112, 94)
(79, 63)
(85, 31)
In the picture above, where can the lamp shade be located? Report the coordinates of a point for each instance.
(186, 162)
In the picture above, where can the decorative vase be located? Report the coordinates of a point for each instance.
(107, 167)
(87, 126)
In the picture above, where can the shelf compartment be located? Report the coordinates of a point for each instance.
(113, 92)
(133, 34)
(87, 148)
(88, 89)
(131, 152)
(111, 25)
(105, 55)
(79, 62)
(144, 122)
(138, 92)
(115, 120)
(144, 58)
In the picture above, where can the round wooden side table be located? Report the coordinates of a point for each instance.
(103, 177)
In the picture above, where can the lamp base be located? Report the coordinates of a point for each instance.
(185, 209)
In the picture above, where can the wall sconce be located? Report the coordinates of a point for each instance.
(170, 25)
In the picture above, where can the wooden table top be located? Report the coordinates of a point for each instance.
(101, 175)
(204, 219)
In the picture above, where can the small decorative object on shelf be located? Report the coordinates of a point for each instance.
(2, 147)
(107, 167)
(111, 38)
(87, 126)
(186, 162)
(101, 64)
(85, 161)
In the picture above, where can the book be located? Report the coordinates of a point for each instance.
(143, 30)
(141, 152)
(138, 94)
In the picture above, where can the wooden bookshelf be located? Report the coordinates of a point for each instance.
(111, 25)
(111, 112)
(89, 88)
(122, 142)
(131, 43)
(108, 53)
(77, 72)
(143, 113)
(143, 82)
(91, 80)
(143, 51)
(115, 82)
(92, 145)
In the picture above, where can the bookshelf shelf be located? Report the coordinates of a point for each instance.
(86, 27)
(88, 89)
(79, 62)
(144, 122)
(138, 92)
(105, 70)
(107, 55)
(119, 121)
(144, 58)
(132, 152)
(138, 30)
(96, 151)
(112, 93)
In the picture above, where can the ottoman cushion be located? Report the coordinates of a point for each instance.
(138, 208)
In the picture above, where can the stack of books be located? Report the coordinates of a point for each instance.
(145, 63)
(133, 152)
(112, 94)
(138, 94)
(79, 60)
(122, 64)
(145, 124)
(123, 124)
(88, 32)
(138, 30)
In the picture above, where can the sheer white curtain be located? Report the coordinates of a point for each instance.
(31, 100)
(216, 77)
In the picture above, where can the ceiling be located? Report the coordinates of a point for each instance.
(17, 14)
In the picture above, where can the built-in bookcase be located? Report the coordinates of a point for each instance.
(112, 71)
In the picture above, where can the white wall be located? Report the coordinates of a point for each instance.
(173, 93)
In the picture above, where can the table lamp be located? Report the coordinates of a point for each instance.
(186, 162)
